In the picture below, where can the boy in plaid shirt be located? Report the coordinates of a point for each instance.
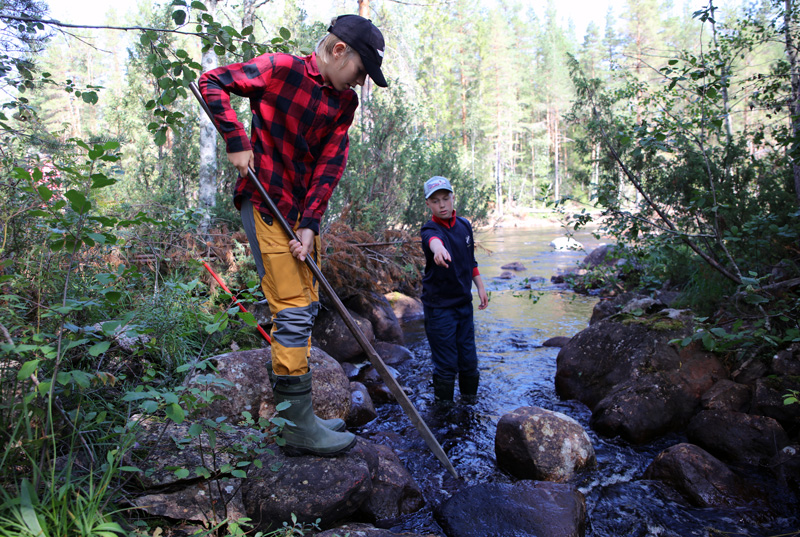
(302, 109)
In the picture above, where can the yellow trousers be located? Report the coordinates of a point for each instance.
(293, 295)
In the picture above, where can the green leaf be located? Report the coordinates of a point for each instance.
(181, 473)
(129, 469)
(78, 201)
(179, 17)
(44, 192)
(89, 97)
(175, 413)
(27, 369)
(199, 5)
(239, 473)
(100, 180)
(28, 499)
(99, 348)
(285, 33)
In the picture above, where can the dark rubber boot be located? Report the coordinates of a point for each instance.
(305, 436)
(334, 424)
(469, 389)
(443, 390)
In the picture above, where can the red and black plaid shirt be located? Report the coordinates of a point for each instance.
(299, 131)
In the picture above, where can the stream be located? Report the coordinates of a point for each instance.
(516, 370)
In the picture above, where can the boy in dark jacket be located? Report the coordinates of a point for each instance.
(450, 271)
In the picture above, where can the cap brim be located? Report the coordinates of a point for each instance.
(375, 73)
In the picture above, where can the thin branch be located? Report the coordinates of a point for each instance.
(60, 24)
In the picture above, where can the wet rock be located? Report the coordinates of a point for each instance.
(727, 395)
(405, 308)
(506, 275)
(768, 401)
(362, 410)
(206, 502)
(331, 489)
(565, 243)
(597, 256)
(786, 467)
(558, 341)
(351, 370)
(516, 265)
(533, 443)
(607, 307)
(242, 384)
(392, 354)
(557, 279)
(394, 491)
(522, 509)
(787, 362)
(378, 391)
(334, 337)
(637, 384)
(367, 530)
(379, 312)
(699, 477)
(737, 437)
(750, 371)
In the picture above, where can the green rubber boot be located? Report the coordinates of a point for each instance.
(305, 436)
(334, 424)
(469, 389)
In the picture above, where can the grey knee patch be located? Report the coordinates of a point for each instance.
(292, 326)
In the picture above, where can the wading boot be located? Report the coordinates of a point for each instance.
(334, 424)
(305, 436)
(443, 390)
(469, 389)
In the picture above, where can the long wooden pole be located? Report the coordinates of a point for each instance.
(373, 356)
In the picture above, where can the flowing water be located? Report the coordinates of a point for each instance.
(516, 370)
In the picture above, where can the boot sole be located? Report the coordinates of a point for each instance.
(299, 451)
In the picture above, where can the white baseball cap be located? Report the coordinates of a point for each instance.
(437, 182)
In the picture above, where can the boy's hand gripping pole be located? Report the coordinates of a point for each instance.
(376, 360)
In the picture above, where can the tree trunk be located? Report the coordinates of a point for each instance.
(794, 104)
(207, 191)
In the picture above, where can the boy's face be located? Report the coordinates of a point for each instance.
(441, 204)
(347, 70)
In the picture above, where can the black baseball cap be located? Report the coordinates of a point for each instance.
(365, 38)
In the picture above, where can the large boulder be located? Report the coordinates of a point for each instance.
(377, 309)
(331, 489)
(405, 308)
(699, 477)
(523, 509)
(533, 443)
(242, 384)
(366, 530)
(334, 337)
(394, 491)
(737, 437)
(203, 503)
(565, 243)
(392, 354)
(768, 400)
(727, 395)
(638, 385)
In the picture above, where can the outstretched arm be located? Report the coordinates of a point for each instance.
(478, 281)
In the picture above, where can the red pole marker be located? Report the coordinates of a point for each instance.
(236, 300)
